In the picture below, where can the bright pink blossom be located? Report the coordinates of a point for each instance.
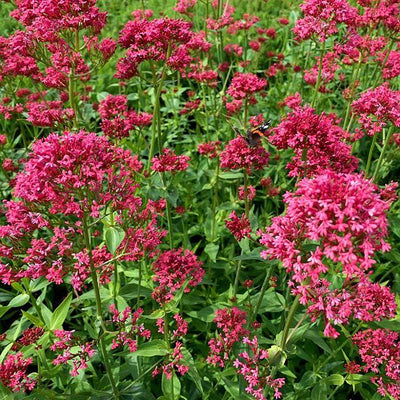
(239, 227)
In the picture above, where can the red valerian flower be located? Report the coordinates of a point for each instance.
(167, 40)
(376, 109)
(172, 269)
(322, 17)
(169, 161)
(239, 227)
(256, 371)
(73, 350)
(340, 219)
(209, 149)
(380, 353)
(317, 141)
(13, 373)
(232, 325)
(238, 154)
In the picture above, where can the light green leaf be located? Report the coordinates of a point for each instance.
(154, 348)
(60, 313)
(113, 237)
(170, 386)
(19, 300)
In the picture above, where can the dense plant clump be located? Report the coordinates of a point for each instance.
(199, 199)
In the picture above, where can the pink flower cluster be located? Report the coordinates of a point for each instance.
(67, 343)
(210, 149)
(256, 374)
(173, 269)
(239, 227)
(333, 218)
(13, 373)
(128, 328)
(176, 357)
(243, 87)
(380, 353)
(74, 176)
(317, 141)
(231, 323)
(376, 108)
(238, 154)
(168, 161)
(322, 18)
(118, 119)
(166, 40)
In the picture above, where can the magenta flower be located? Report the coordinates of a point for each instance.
(238, 155)
(322, 17)
(165, 39)
(172, 269)
(317, 141)
(13, 373)
(169, 161)
(232, 326)
(376, 108)
(380, 353)
(239, 227)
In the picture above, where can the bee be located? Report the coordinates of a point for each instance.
(253, 135)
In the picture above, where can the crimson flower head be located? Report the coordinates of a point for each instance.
(238, 154)
(209, 149)
(118, 119)
(232, 328)
(172, 269)
(376, 109)
(317, 142)
(239, 227)
(169, 161)
(380, 354)
(245, 85)
(166, 40)
(322, 17)
(13, 373)
(342, 214)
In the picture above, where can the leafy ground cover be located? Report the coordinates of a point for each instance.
(199, 199)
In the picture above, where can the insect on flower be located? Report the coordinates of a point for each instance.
(253, 135)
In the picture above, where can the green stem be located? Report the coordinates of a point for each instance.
(352, 87)
(246, 199)
(215, 200)
(262, 293)
(371, 150)
(289, 321)
(318, 84)
(381, 157)
(236, 283)
(93, 273)
(167, 341)
(168, 209)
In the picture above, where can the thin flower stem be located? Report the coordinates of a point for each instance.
(371, 150)
(262, 293)
(246, 199)
(236, 283)
(289, 321)
(167, 341)
(93, 273)
(318, 84)
(168, 209)
(381, 157)
(215, 201)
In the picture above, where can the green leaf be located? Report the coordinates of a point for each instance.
(211, 250)
(35, 320)
(19, 300)
(154, 348)
(193, 372)
(334, 379)
(60, 313)
(113, 236)
(319, 392)
(206, 314)
(170, 386)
